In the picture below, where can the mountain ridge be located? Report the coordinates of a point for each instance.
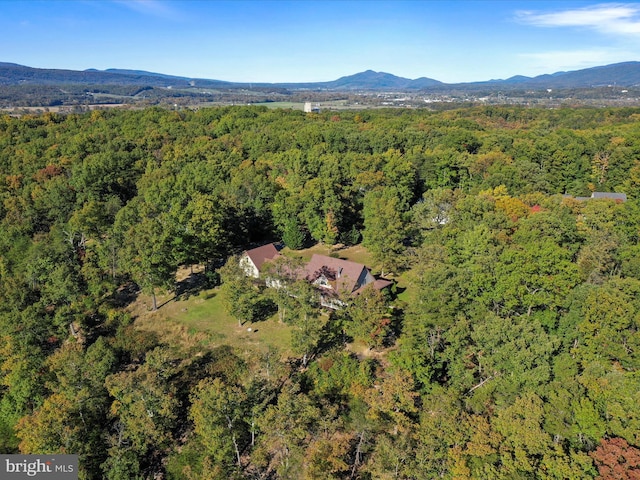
(620, 74)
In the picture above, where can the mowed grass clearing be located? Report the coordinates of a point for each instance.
(201, 321)
(291, 105)
(356, 253)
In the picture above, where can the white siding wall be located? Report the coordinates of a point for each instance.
(249, 268)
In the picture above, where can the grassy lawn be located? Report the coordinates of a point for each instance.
(407, 287)
(356, 253)
(201, 321)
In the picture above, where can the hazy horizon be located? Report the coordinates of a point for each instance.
(313, 41)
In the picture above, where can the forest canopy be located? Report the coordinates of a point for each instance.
(513, 352)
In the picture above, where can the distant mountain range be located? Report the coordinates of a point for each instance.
(625, 74)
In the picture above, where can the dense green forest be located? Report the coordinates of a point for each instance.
(512, 353)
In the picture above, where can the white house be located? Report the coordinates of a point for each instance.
(252, 260)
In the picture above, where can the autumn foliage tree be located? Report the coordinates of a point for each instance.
(515, 351)
(616, 459)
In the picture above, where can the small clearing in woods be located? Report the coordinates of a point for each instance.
(198, 319)
(195, 318)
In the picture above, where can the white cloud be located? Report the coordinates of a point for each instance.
(154, 8)
(561, 60)
(610, 18)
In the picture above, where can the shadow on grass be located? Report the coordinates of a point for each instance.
(263, 309)
(124, 295)
(165, 302)
(191, 285)
(399, 290)
(210, 295)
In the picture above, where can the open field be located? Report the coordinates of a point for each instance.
(407, 287)
(291, 105)
(327, 105)
(356, 253)
(199, 320)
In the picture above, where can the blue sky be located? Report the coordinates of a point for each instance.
(306, 40)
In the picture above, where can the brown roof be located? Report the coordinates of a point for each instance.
(382, 283)
(342, 275)
(378, 284)
(261, 254)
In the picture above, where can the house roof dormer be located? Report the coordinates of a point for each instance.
(340, 275)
